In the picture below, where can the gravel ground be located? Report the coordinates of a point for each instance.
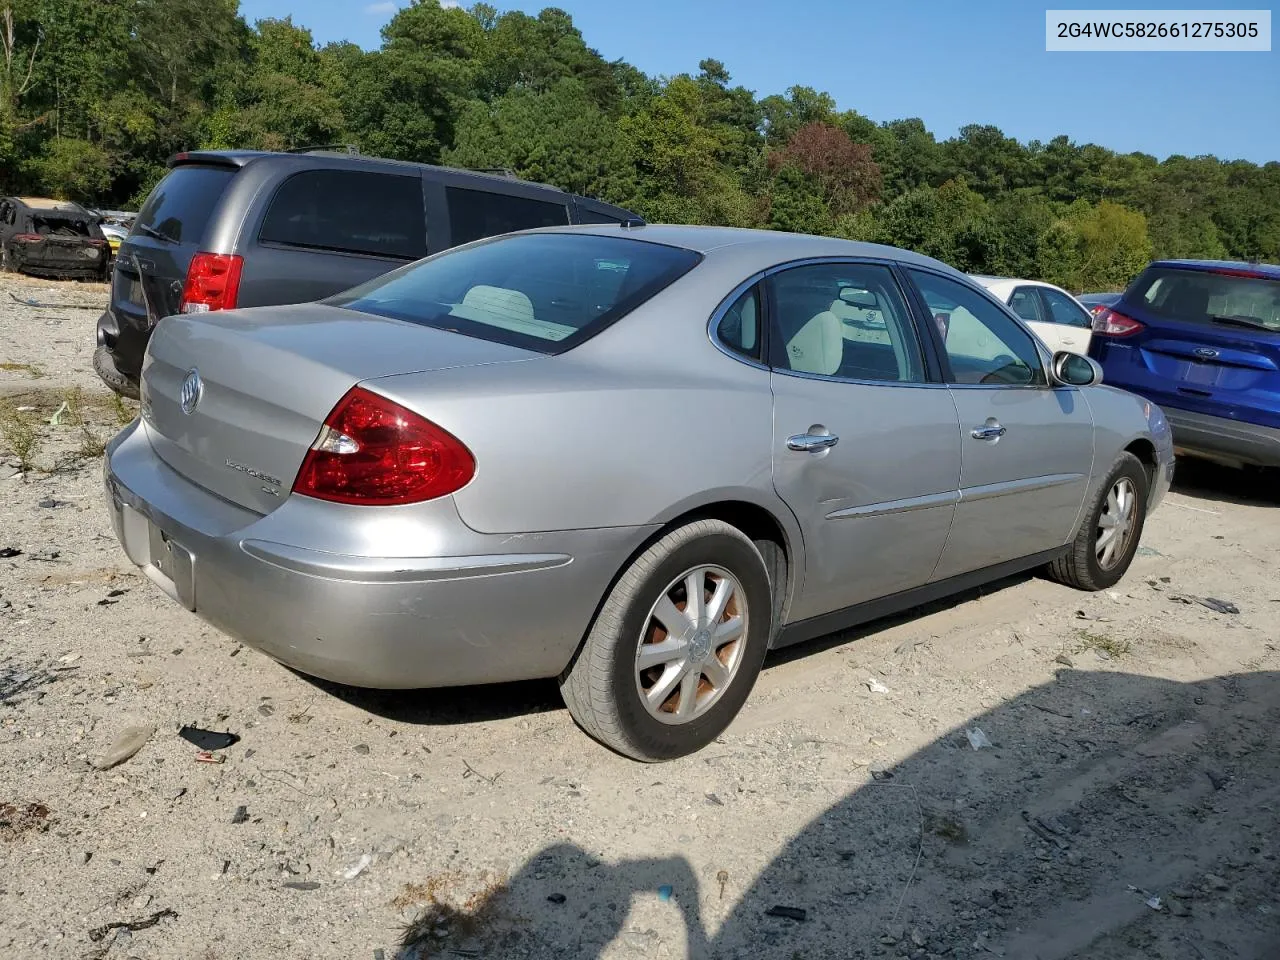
(1127, 805)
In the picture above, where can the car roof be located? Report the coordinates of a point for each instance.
(240, 158)
(764, 245)
(1268, 271)
(50, 205)
(987, 281)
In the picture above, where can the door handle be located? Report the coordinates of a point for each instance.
(812, 442)
(990, 431)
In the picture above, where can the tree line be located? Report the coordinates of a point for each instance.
(95, 95)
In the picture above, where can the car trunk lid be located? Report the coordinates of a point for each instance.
(268, 377)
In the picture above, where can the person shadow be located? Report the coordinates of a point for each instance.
(1102, 815)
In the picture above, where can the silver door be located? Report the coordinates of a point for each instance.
(866, 454)
(1027, 448)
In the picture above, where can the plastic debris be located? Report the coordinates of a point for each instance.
(1219, 780)
(57, 414)
(129, 742)
(241, 815)
(1149, 898)
(1212, 603)
(1149, 552)
(301, 885)
(208, 739)
(875, 686)
(7, 552)
(557, 898)
(977, 739)
(357, 868)
(204, 756)
(664, 892)
(722, 878)
(788, 913)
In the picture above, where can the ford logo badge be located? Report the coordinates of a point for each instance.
(192, 390)
(1206, 353)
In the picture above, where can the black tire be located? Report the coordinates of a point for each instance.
(1079, 567)
(105, 368)
(600, 686)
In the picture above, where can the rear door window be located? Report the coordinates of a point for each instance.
(1026, 304)
(1227, 298)
(1062, 309)
(181, 204)
(475, 214)
(540, 291)
(349, 211)
(588, 215)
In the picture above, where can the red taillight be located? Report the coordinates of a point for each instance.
(375, 452)
(213, 282)
(29, 237)
(97, 243)
(1112, 323)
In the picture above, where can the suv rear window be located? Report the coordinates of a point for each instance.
(545, 291)
(474, 214)
(180, 205)
(1227, 298)
(350, 211)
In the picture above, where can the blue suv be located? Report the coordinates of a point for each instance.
(1202, 339)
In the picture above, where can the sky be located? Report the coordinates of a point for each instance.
(948, 62)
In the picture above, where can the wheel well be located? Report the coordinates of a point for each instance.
(1145, 451)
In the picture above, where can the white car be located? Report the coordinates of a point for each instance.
(1053, 315)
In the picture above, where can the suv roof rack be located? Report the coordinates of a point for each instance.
(350, 148)
(498, 172)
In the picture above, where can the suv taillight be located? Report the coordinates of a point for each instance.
(373, 451)
(213, 282)
(1112, 323)
(29, 237)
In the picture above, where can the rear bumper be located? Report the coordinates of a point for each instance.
(305, 585)
(69, 262)
(123, 345)
(1220, 438)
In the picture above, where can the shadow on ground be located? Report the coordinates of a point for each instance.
(1101, 792)
(1210, 481)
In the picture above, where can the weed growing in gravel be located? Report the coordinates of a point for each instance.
(21, 434)
(33, 370)
(73, 416)
(123, 412)
(1111, 646)
(91, 445)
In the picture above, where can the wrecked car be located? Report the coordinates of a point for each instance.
(51, 238)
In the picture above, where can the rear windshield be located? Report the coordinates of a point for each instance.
(546, 292)
(61, 227)
(181, 204)
(1222, 298)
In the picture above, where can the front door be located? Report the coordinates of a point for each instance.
(1027, 447)
(866, 451)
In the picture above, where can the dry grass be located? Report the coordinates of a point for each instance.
(20, 432)
(446, 917)
(33, 370)
(1113, 647)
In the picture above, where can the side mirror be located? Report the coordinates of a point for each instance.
(1074, 370)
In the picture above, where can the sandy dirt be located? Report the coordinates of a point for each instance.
(1128, 805)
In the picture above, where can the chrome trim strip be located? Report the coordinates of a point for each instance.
(988, 490)
(336, 566)
(897, 506)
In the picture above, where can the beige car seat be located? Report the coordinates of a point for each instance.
(818, 346)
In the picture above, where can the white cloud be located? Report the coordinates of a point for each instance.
(387, 6)
(450, 4)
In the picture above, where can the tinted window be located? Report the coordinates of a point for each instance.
(739, 328)
(475, 214)
(181, 204)
(587, 215)
(351, 211)
(544, 292)
(1196, 296)
(1064, 310)
(1026, 304)
(845, 320)
(984, 344)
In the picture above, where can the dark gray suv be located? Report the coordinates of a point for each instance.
(230, 229)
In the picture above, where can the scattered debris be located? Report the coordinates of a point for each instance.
(1149, 552)
(881, 773)
(1063, 659)
(52, 504)
(266, 709)
(357, 868)
(1215, 882)
(714, 800)
(110, 598)
(15, 820)
(1042, 830)
(556, 898)
(204, 756)
(362, 749)
(1213, 603)
(98, 933)
(722, 878)
(875, 686)
(69, 658)
(471, 771)
(301, 885)
(241, 815)
(907, 646)
(57, 414)
(129, 742)
(7, 552)
(208, 739)
(788, 913)
(665, 891)
(977, 739)
(1219, 780)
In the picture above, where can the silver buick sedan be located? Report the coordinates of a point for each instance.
(633, 458)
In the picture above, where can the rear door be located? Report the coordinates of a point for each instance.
(169, 230)
(866, 442)
(1069, 321)
(1208, 342)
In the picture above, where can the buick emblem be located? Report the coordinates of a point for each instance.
(192, 388)
(1206, 353)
